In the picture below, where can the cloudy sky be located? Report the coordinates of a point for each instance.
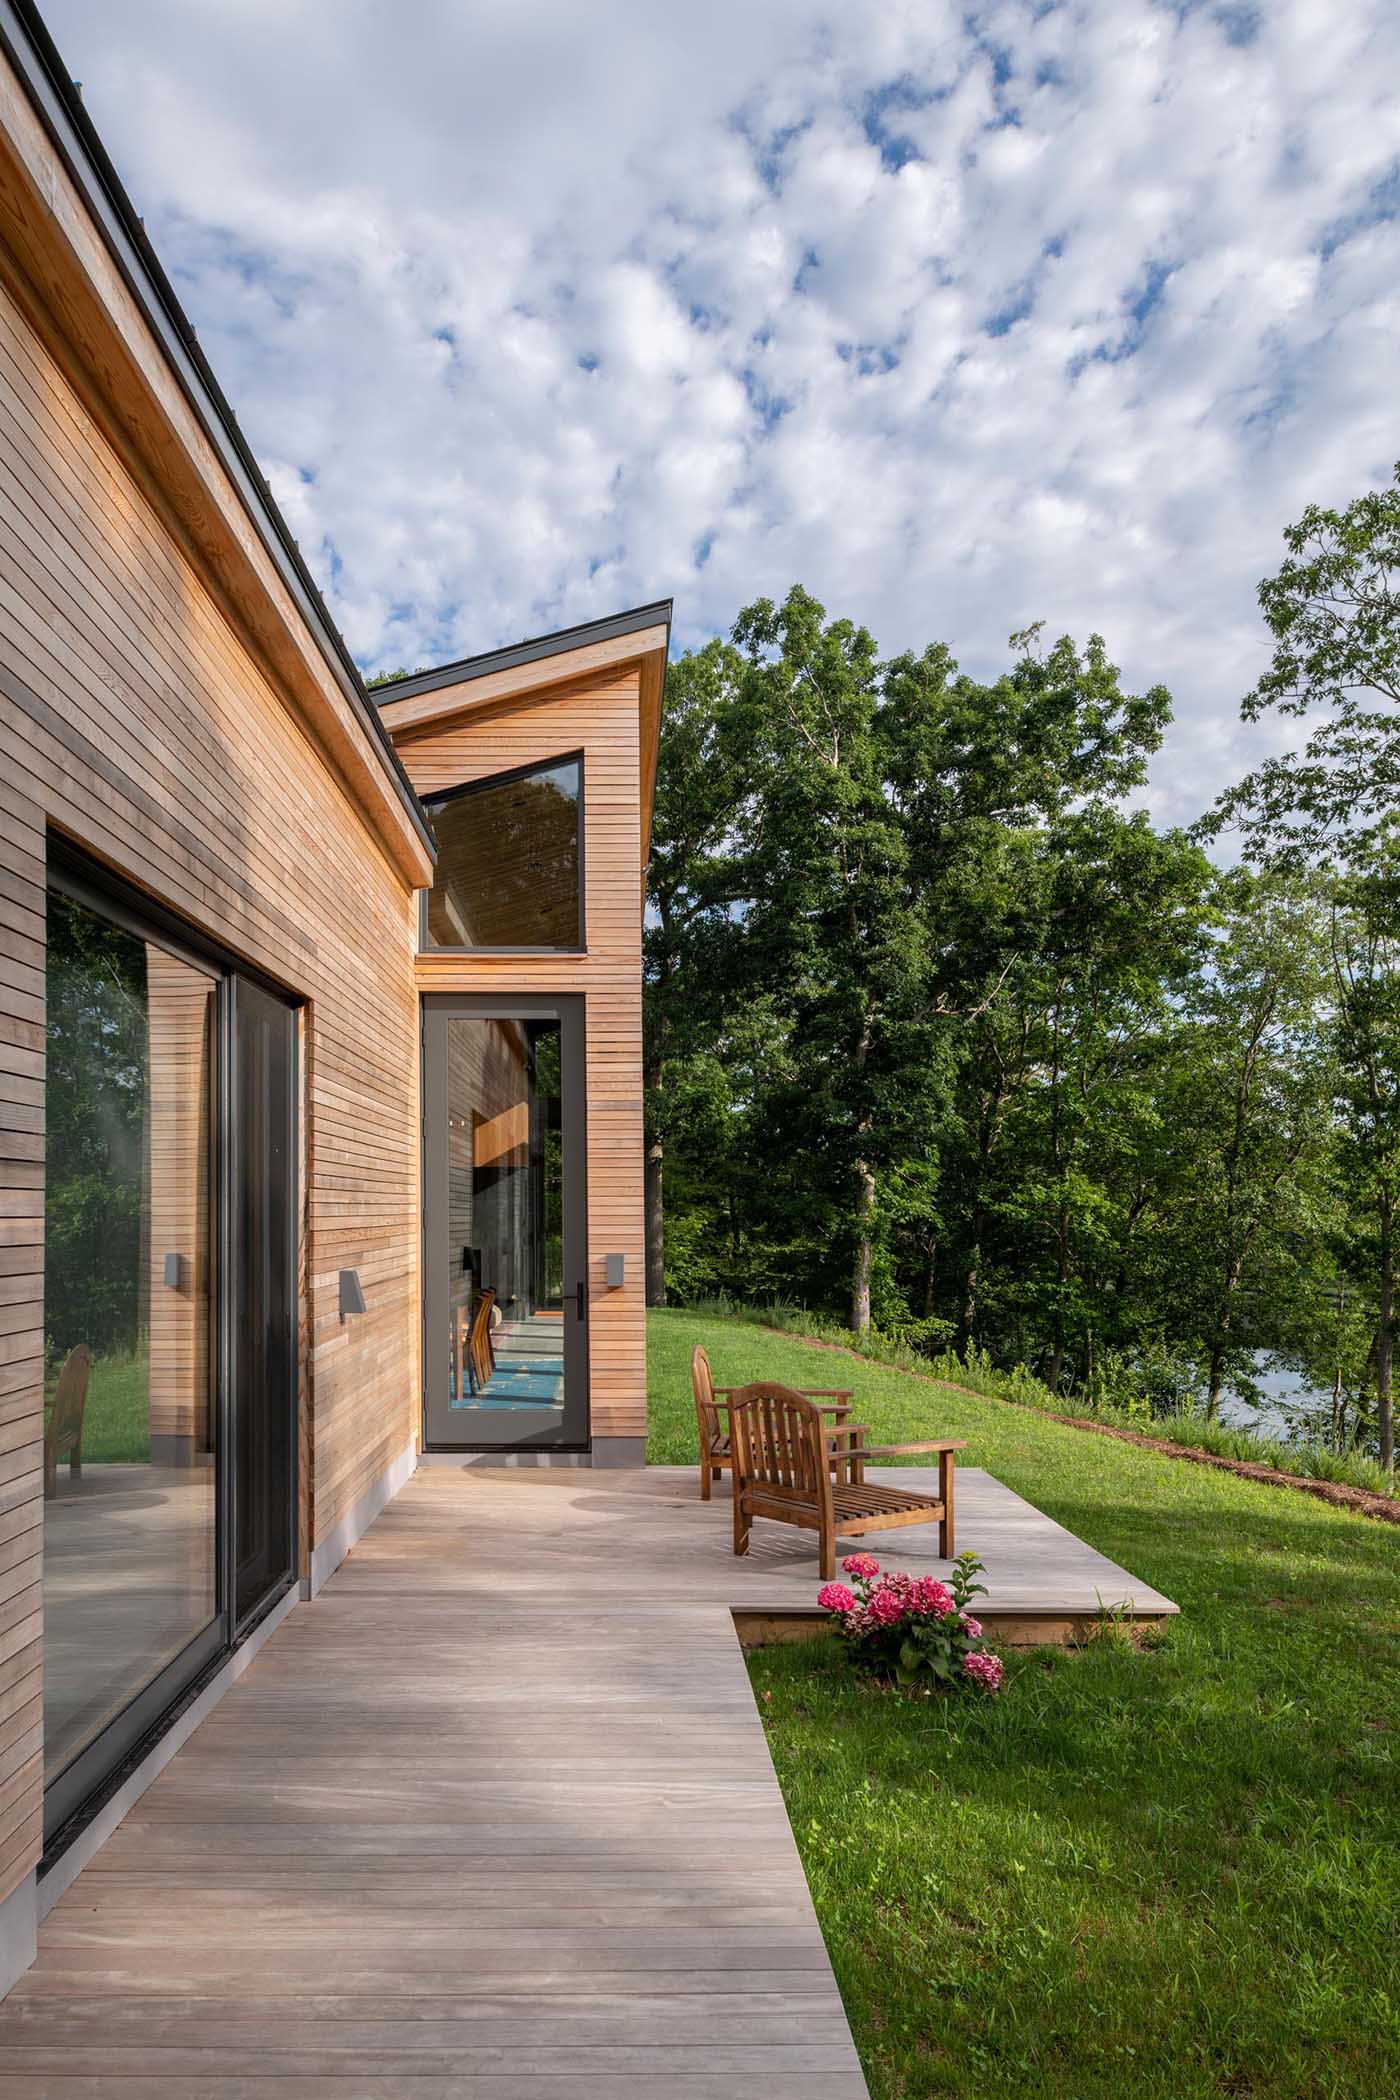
(962, 315)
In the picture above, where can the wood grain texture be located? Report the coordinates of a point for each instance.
(600, 715)
(395, 1861)
(526, 684)
(150, 712)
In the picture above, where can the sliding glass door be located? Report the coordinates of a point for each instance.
(505, 1225)
(170, 1330)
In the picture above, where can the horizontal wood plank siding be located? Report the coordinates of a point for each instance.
(139, 717)
(599, 714)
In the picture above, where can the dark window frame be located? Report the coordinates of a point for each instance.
(426, 945)
(81, 1788)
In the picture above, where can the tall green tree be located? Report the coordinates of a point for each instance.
(688, 939)
(1251, 1096)
(831, 920)
(1334, 612)
(1364, 950)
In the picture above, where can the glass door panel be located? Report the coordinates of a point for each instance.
(506, 1259)
(170, 1298)
(131, 1504)
(264, 1336)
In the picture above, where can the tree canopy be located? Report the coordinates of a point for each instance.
(945, 1037)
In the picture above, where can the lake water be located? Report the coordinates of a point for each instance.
(1278, 1385)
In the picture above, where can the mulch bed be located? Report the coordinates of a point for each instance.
(1360, 1501)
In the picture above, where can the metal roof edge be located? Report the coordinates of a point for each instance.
(535, 650)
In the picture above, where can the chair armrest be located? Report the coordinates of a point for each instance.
(850, 1429)
(826, 1392)
(908, 1450)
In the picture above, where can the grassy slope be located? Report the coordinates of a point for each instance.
(1168, 1871)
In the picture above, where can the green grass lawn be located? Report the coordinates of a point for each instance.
(117, 1419)
(1169, 1870)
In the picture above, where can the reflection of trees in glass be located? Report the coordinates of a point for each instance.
(508, 872)
(96, 1116)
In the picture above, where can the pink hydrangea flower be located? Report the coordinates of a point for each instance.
(928, 1594)
(886, 1607)
(834, 1596)
(971, 1627)
(984, 1668)
(863, 1564)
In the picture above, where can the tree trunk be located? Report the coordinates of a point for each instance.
(1385, 1336)
(930, 1279)
(865, 1248)
(1220, 1341)
(967, 1317)
(655, 1224)
(1057, 1353)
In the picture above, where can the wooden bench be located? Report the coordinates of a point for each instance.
(712, 1400)
(787, 1464)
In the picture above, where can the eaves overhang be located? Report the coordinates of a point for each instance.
(57, 101)
(563, 642)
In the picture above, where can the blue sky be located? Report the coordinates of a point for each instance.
(963, 316)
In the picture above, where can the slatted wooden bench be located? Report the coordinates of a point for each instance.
(792, 1467)
(712, 1401)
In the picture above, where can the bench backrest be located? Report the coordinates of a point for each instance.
(65, 1426)
(483, 1358)
(702, 1385)
(779, 1446)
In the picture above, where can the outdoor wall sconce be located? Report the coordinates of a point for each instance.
(352, 1297)
(172, 1272)
(617, 1271)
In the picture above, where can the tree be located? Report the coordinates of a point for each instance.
(1251, 1097)
(1334, 612)
(831, 922)
(688, 933)
(1364, 948)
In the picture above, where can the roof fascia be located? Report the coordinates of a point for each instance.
(527, 673)
(540, 649)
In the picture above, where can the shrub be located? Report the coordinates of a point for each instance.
(914, 1627)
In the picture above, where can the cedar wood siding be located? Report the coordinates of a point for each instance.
(162, 705)
(598, 714)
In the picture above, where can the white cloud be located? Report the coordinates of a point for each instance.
(961, 315)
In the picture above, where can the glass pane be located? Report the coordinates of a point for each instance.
(505, 1229)
(508, 863)
(129, 1518)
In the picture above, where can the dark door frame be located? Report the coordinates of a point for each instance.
(569, 1009)
(76, 1793)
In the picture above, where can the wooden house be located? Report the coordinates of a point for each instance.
(320, 1030)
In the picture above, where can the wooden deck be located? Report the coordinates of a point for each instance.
(493, 1818)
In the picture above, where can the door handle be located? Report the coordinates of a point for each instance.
(582, 1299)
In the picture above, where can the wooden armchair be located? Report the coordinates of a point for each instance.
(481, 1357)
(788, 1465)
(712, 1401)
(63, 1431)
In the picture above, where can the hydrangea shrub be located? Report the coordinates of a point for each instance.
(914, 1627)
